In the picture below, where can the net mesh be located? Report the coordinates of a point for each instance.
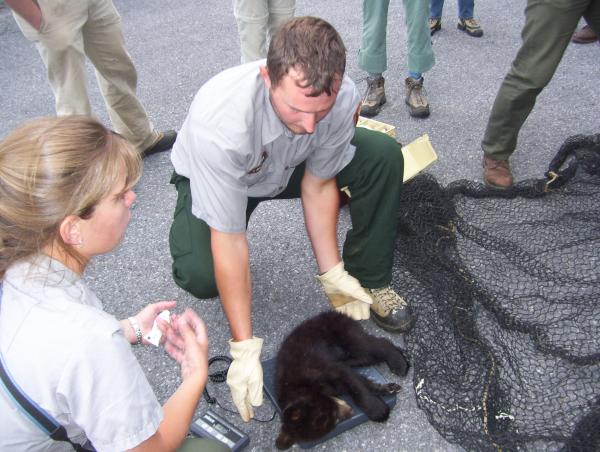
(506, 350)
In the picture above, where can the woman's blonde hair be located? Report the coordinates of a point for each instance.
(51, 168)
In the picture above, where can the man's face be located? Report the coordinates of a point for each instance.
(293, 105)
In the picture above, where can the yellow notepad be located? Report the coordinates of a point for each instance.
(418, 154)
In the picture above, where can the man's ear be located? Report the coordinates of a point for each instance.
(70, 230)
(264, 73)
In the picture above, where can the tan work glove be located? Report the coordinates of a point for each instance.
(245, 376)
(345, 293)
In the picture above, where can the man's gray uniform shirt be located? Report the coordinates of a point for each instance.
(233, 146)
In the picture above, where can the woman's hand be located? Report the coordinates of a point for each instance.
(186, 341)
(145, 319)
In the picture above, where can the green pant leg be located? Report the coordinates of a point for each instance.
(374, 178)
(372, 56)
(202, 445)
(189, 237)
(546, 34)
(592, 15)
(418, 36)
(189, 242)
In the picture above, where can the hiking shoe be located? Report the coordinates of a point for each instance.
(434, 25)
(390, 311)
(585, 36)
(470, 27)
(415, 98)
(374, 97)
(496, 173)
(163, 143)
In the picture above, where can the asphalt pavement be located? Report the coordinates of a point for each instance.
(177, 45)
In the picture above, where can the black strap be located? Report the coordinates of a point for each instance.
(32, 410)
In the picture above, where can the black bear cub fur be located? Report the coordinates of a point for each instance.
(314, 366)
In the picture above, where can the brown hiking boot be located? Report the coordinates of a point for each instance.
(585, 36)
(496, 173)
(374, 97)
(415, 98)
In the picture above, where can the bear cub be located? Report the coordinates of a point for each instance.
(314, 367)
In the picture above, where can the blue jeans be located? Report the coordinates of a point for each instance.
(465, 8)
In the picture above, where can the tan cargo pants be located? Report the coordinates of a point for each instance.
(257, 21)
(73, 29)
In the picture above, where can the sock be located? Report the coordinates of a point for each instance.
(415, 75)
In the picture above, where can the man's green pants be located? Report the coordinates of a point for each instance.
(549, 26)
(374, 179)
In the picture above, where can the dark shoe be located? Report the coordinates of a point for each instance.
(434, 25)
(416, 98)
(470, 27)
(374, 97)
(585, 36)
(390, 311)
(496, 173)
(164, 143)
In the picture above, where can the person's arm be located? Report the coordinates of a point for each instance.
(232, 274)
(28, 10)
(321, 204)
(187, 343)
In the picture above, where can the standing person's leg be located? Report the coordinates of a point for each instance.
(60, 44)
(372, 56)
(252, 17)
(466, 21)
(279, 12)
(466, 9)
(592, 16)
(374, 180)
(420, 55)
(546, 34)
(105, 46)
(435, 15)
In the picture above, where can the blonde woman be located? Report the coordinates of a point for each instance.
(65, 197)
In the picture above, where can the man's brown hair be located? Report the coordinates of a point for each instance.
(311, 46)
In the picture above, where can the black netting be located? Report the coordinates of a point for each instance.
(506, 350)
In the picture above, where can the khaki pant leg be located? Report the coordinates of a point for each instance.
(252, 17)
(280, 11)
(104, 44)
(60, 44)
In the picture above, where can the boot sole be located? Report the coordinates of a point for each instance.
(475, 34)
(369, 112)
(402, 328)
(422, 112)
(499, 187)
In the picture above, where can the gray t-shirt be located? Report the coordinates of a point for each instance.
(233, 146)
